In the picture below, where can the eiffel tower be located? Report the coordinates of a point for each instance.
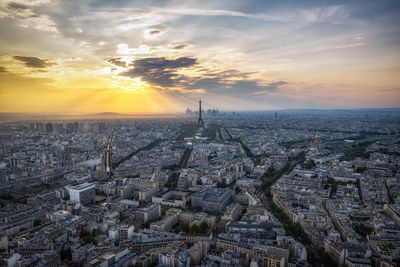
(200, 122)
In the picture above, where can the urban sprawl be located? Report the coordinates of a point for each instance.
(206, 188)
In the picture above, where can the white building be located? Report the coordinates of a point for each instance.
(113, 233)
(83, 193)
(126, 231)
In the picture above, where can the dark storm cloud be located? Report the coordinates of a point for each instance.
(117, 62)
(164, 72)
(15, 5)
(34, 62)
(182, 46)
(3, 69)
(160, 71)
(163, 63)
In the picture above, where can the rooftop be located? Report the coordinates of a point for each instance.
(83, 187)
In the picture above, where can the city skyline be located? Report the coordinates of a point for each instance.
(155, 57)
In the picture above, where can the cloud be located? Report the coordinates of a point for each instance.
(34, 62)
(142, 49)
(221, 84)
(3, 69)
(117, 62)
(28, 14)
(349, 45)
(152, 32)
(333, 13)
(165, 73)
(160, 71)
(217, 12)
(268, 87)
(33, 2)
(163, 63)
(15, 5)
(182, 46)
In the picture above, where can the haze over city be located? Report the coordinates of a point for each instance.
(147, 57)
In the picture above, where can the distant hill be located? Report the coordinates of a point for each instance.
(25, 117)
(108, 114)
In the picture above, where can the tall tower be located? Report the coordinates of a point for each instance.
(200, 122)
(107, 157)
(317, 141)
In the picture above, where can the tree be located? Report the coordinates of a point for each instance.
(66, 254)
(268, 193)
(203, 227)
(177, 229)
(185, 227)
(237, 190)
(360, 169)
(164, 210)
(333, 189)
(331, 180)
(271, 169)
(6, 196)
(84, 233)
(95, 232)
(363, 230)
(222, 184)
(89, 239)
(147, 223)
(173, 180)
(194, 229)
(309, 164)
(37, 222)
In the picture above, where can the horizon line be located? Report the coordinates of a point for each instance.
(182, 112)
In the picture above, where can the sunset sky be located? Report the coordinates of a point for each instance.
(147, 56)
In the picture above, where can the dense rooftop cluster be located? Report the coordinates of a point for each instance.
(293, 189)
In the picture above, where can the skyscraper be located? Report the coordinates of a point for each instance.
(107, 157)
(317, 141)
